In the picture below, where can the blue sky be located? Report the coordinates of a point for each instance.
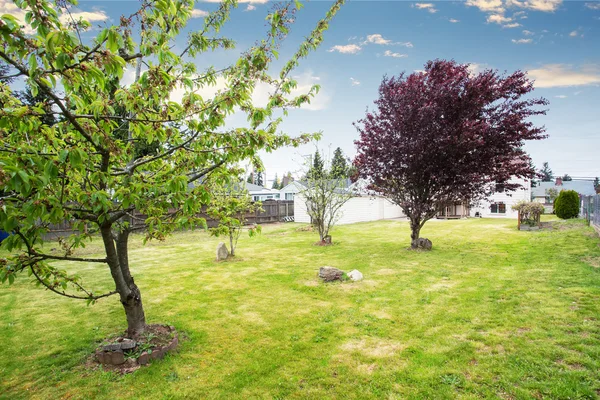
(558, 42)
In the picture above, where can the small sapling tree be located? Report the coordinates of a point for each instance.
(229, 207)
(324, 197)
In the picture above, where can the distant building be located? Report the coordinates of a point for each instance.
(260, 193)
(540, 192)
(499, 204)
(289, 191)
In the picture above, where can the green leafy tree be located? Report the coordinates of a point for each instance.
(596, 183)
(276, 184)
(567, 204)
(250, 178)
(258, 179)
(81, 170)
(317, 167)
(551, 194)
(324, 197)
(339, 165)
(229, 206)
(546, 173)
(566, 178)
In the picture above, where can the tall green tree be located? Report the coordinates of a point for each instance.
(276, 184)
(546, 173)
(80, 170)
(317, 167)
(258, 179)
(339, 166)
(596, 183)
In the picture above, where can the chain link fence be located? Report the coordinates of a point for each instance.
(590, 210)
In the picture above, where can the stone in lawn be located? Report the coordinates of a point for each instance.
(222, 252)
(355, 275)
(143, 358)
(329, 274)
(424, 243)
(127, 344)
(117, 357)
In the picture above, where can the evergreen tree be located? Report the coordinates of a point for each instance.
(596, 183)
(250, 178)
(546, 173)
(276, 183)
(339, 166)
(317, 169)
(259, 179)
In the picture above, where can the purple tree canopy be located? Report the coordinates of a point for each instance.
(446, 134)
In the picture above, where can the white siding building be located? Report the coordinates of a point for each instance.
(499, 205)
(289, 191)
(357, 209)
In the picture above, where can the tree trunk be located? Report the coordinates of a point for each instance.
(231, 248)
(129, 293)
(415, 228)
(134, 310)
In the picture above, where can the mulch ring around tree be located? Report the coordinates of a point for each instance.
(124, 355)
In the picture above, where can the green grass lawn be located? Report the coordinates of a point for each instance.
(489, 313)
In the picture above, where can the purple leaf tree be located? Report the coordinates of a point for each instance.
(447, 134)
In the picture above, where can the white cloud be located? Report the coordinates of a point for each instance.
(388, 53)
(476, 68)
(346, 49)
(377, 39)
(454, 21)
(520, 15)
(498, 19)
(486, 5)
(561, 75)
(250, 8)
(304, 81)
(84, 15)
(537, 5)
(561, 96)
(426, 6)
(522, 41)
(354, 82)
(197, 13)
(8, 7)
(575, 33)
(512, 25)
(593, 6)
(527, 33)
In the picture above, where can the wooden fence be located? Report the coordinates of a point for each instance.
(272, 211)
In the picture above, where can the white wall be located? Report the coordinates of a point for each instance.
(508, 198)
(357, 209)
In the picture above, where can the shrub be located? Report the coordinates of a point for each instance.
(566, 204)
(529, 212)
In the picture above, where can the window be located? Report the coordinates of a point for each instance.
(498, 208)
(289, 196)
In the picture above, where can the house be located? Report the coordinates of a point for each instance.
(260, 193)
(364, 206)
(540, 192)
(499, 204)
(289, 191)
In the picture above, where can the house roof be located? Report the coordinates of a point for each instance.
(585, 188)
(254, 189)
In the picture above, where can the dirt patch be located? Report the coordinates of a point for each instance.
(571, 366)
(386, 271)
(377, 348)
(366, 369)
(593, 261)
